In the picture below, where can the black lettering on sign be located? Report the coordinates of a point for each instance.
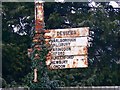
(62, 61)
(53, 62)
(61, 53)
(54, 40)
(54, 53)
(68, 40)
(58, 66)
(63, 57)
(66, 33)
(59, 57)
(62, 49)
(59, 44)
(69, 57)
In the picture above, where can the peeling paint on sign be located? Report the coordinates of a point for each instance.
(65, 33)
(67, 62)
(58, 42)
(69, 48)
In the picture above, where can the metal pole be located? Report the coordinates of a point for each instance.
(39, 26)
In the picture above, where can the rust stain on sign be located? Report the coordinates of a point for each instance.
(67, 62)
(39, 12)
(58, 42)
(70, 50)
(65, 33)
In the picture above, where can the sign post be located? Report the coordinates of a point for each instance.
(69, 48)
(33, 53)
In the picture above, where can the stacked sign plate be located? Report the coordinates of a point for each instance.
(69, 48)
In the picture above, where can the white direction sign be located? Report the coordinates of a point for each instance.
(78, 41)
(65, 33)
(71, 62)
(69, 48)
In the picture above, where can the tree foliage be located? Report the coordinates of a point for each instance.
(15, 63)
(104, 23)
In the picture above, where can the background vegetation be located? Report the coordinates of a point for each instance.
(104, 53)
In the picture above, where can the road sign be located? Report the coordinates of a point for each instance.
(67, 62)
(69, 48)
(65, 33)
(78, 41)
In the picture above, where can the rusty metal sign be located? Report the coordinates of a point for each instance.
(58, 42)
(69, 50)
(39, 15)
(67, 62)
(65, 33)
